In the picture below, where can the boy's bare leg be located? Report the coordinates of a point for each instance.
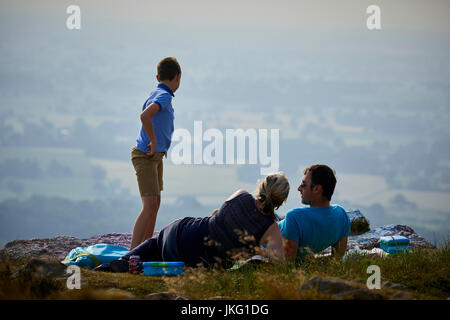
(145, 222)
(150, 229)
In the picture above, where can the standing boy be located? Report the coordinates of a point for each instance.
(152, 144)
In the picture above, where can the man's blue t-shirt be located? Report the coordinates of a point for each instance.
(316, 228)
(162, 120)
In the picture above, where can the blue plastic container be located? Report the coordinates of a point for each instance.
(394, 244)
(163, 268)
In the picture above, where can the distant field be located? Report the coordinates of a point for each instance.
(211, 185)
(79, 185)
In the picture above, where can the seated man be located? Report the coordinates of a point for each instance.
(319, 226)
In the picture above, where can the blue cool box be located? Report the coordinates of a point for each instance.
(394, 244)
(163, 268)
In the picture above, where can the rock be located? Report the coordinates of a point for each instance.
(327, 285)
(358, 222)
(400, 295)
(114, 293)
(391, 285)
(161, 296)
(40, 267)
(219, 298)
(98, 294)
(339, 288)
(358, 294)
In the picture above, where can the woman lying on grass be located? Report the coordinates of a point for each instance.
(242, 224)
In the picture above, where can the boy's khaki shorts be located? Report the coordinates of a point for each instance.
(149, 172)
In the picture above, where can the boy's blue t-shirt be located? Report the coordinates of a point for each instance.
(162, 120)
(316, 228)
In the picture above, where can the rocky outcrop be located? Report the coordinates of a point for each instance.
(60, 246)
(370, 240)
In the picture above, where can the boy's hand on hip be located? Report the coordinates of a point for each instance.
(150, 150)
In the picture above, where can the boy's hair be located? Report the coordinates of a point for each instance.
(325, 176)
(168, 68)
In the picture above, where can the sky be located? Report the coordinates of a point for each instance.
(372, 104)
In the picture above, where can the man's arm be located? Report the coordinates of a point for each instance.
(338, 250)
(290, 249)
(147, 123)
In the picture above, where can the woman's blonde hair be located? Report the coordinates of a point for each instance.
(272, 192)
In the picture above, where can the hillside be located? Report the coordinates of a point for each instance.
(31, 269)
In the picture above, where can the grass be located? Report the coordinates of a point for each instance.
(425, 272)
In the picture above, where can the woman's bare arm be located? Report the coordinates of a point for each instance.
(274, 242)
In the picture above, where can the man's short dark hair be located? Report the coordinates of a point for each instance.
(168, 68)
(325, 176)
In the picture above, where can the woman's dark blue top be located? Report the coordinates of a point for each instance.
(237, 226)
